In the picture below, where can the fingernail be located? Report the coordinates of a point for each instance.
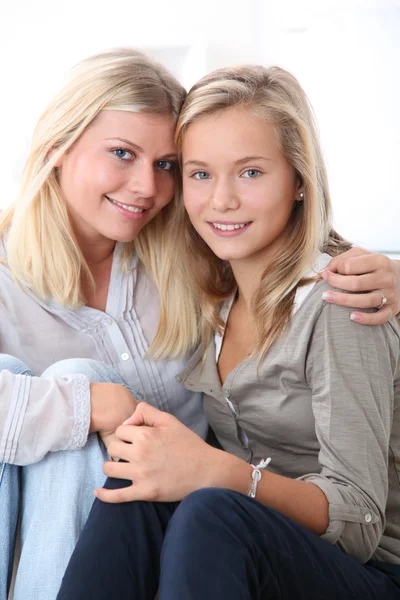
(324, 275)
(328, 296)
(355, 317)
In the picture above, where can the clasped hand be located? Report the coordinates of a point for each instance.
(165, 460)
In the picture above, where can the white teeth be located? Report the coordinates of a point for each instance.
(224, 227)
(132, 209)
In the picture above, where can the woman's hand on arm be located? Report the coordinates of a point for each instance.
(370, 277)
(111, 404)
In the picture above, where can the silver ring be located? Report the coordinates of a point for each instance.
(384, 299)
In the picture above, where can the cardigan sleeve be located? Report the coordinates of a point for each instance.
(351, 371)
(40, 415)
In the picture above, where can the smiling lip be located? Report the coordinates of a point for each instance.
(130, 211)
(229, 228)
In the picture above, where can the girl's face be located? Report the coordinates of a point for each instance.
(238, 187)
(118, 175)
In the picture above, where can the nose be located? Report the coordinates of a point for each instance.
(224, 197)
(143, 181)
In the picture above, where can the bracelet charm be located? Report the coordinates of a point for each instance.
(256, 476)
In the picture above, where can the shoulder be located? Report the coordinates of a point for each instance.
(330, 330)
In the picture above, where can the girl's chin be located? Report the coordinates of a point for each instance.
(127, 234)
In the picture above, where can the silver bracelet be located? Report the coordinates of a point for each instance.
(256, 476)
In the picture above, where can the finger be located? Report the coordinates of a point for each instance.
(131, 420)
(358, 283)
(368, 300)
(118, 495)
(118, 470)
(360, 265)
(145, 414)
(120, 449)
(372, 318)
(347, 256)
(127, 433)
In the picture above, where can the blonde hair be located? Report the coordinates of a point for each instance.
(42, 252)
(275, 95)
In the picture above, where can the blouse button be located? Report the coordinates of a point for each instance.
(109, 321)
(125, 356)
(368, 518)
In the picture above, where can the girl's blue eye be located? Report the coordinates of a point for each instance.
(251, 173)
(166, 165)
(122, 153)
(201, 175)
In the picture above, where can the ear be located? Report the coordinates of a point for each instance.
(299, 190)
(60, 159)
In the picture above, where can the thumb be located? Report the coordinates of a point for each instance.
(145, 414)
(332, 266)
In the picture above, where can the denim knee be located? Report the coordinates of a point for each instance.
(93, 369)
(14, 365)
(202, 507)
(207, 498)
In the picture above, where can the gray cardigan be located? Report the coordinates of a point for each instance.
(325, 406)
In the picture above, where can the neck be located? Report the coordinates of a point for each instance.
(96, 252)
(248, 281)
(248, 272)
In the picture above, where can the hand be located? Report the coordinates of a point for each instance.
(165, 459)
(363, 273)
(111, 405)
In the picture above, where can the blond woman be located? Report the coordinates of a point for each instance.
(302, 499)
(79, 304)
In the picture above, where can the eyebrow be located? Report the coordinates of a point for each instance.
(140, 149)
(245, 159)
(251, 158)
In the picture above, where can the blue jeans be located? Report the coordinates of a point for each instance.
(215, 545)
(54, 495)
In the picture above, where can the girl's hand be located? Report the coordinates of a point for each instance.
(164, 459)
(371, 277)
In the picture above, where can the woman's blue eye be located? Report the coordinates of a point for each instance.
(122, 153)
(201, 175)
(166, 165)
(251, 173)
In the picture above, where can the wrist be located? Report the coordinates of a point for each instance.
(230, 472)
(95, 412)
(101, 407)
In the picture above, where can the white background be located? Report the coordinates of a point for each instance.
(346, 54)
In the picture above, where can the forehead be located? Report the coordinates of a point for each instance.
(135, 127)
(230, 130)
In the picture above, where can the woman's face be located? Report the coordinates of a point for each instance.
(238, 187)
(118, 175)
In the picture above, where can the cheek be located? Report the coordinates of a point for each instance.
(168, 189)
(193, 198)
(274, 201)
(86, 176)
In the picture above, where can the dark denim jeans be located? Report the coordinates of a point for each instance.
(214, 545)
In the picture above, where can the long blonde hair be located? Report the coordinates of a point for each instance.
(275, 95)
(42, 252)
